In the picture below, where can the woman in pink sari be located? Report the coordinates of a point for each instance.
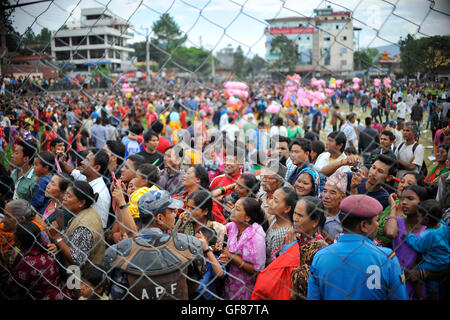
(245, 249)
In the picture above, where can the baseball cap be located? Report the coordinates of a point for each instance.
(392, 123)
(154, 201)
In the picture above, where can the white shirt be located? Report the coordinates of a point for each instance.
(104, 198)
(231, 131)
(350, 134)
(398, 137)
(223, 121)
(281, 131)
(406, 155)
(401, 110)
(373, 103)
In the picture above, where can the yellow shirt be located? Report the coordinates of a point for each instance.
(135, 196)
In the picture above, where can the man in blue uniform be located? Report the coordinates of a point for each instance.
(354, 268)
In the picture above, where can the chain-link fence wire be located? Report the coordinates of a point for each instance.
(24, 101)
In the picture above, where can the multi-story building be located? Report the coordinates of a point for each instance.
(100, 39)
(325, 41)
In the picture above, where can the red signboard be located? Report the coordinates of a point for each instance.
(291, 30)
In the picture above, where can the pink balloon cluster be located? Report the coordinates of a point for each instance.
(376, 82)
(291, 85)
(274, 107)
(339, 83)
(317, 83)
(387, 82)
(307, 98)
(235, 88)
(126, 88)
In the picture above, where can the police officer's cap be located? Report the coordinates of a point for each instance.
(361, 205)
(155, 201)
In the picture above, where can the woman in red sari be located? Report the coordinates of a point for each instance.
(287, 276)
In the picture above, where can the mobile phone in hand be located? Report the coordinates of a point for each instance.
(59, 214)
(116, 183)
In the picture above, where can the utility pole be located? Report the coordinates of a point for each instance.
(147, 56)
(4, 49)
(213, 68)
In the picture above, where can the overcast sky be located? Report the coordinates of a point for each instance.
(217, 23)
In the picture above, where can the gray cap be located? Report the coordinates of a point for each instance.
(154, 201)
(274, 167)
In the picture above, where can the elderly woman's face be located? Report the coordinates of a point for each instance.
(302, 222)
(71, 202)
(9, 220)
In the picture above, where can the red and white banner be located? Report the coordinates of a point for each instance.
(296, 30)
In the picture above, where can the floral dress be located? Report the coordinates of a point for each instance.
(252, 247)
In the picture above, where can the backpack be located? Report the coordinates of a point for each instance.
(423, 169)
(155, 266)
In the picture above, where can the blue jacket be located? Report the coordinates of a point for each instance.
(354, 268)
(434, 246)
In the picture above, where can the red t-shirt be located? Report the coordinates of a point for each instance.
(183, 122)
(222, 181)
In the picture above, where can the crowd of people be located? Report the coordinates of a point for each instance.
(180, 196)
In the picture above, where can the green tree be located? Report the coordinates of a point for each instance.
(286, 49)
(365, 58)
(168, 36)
(254, 66)
(238, 62)
(426, 55)
(44, 37)
(193, 59)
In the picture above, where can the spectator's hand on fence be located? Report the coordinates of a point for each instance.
(53, 231)
(225, 256)
(119, 236)
(357, 179)
(289, 237)
(118, 194)
(392, 199)
(52, 248)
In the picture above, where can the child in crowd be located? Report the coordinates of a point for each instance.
(433, 244)
(44, 165)
(93, 282)
(215, 271)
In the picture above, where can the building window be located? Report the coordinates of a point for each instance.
(327, 38)
(326, 56)
(307, 38)
(98, 39)
(62, 42)
(80, 54)
(97, 53)
(343, 38)
(62, 55)
(343, 50)
(343, 62)
(299, 38)
(79, 41)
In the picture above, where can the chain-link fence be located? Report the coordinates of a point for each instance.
(237, 150)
